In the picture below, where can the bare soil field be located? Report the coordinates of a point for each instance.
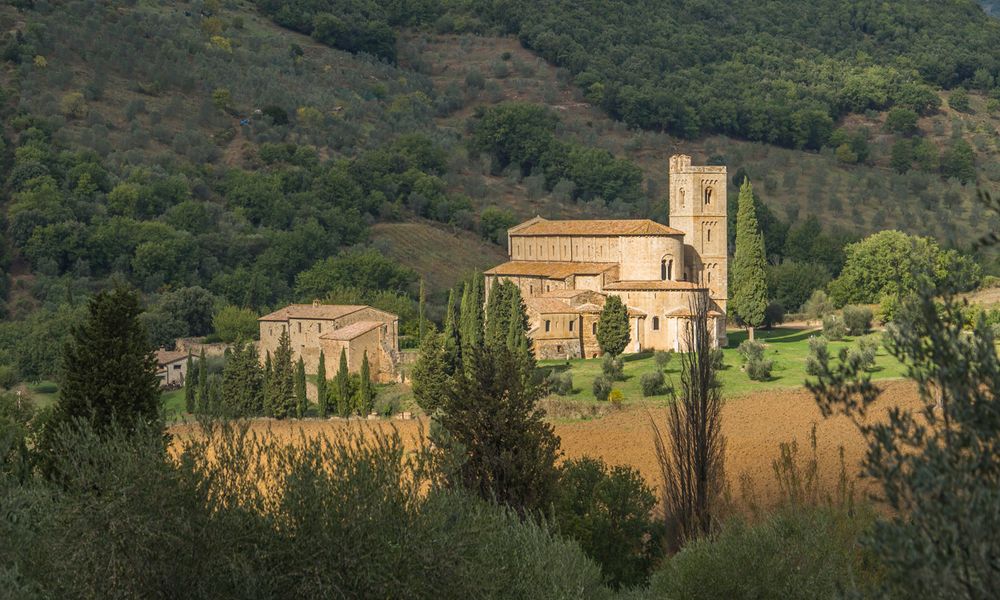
(754, 425)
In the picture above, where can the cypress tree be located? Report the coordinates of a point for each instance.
(420, 312)
(497, 314)
(612, 327)
(748, 293)
(189, 391)
(366, 388)
(517, 342)
(301, 401)
(321, 399)
(431, 373)
(342, 386)
(281, 400)
(202, 383)
(243, 382)
(471, 323)
(108, 370)
(451, 342)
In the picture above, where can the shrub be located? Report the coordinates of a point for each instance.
(817, 306)
(662, 358)
(608, 511)
(857, 319)
(865, 350)
(602, 388)
(818, 354)
(616, 398)
(751, 350)
(653, 384)
(834, 328)
(774, 314)
(560, 383)
(613, 367)
(799, 553)
(759, 369)
(718, 358)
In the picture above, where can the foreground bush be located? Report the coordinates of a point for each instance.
(360, 517)
(602, 388)
(834, 328)
(608, 511)
(613, 367)
(803, 553)
(560, 383)
(653, 384)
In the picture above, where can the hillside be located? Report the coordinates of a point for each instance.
(204, 145)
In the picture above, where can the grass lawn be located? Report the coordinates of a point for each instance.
(787, 347)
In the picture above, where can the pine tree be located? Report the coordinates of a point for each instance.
(366, 388)
(321, 391)
(748, 292)
(342, 387)
(280, 400)
(108, 370)
(612, 327)
(301, 401)
(190, 397)
(202, 404)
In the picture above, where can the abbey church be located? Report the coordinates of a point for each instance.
(567, 269)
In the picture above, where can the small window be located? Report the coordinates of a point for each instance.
(682, 197)
(593, 328)
(709, 232)
(710, 277)
(548, 325)
(319, 327)
(708, 195)
(300, 327)
(531, 290)
(548, 288)
(571, 325)
(177, 367)
(656, 323)
(558, 348)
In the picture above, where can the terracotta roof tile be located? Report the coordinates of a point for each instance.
(552, 270)
(655, 285)
(351, 331)
(164, 357)
(312, 311)
(594, 227)
(550, 306)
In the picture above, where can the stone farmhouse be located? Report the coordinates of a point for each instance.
(171, 367)
(566, 270)
(355, 329)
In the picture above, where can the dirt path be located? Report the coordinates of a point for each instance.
(754, 425)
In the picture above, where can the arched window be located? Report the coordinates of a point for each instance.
(571, 325)
(710, 277)
(656, 323)
(663, 269)
(708, 234)
(682, 197)
(708, 195)
(667, 269)
(593, 328)
(548, 324)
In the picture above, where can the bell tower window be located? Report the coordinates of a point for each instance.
(708, 195)
(682, 197)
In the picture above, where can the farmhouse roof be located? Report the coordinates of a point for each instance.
(312, 311)
(550, 306)
(165, 357)
(351, 331)
(552, 270)
(540, 226)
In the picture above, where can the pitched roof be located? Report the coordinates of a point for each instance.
(351, 331)
(552, 270)
(165, 357)
(681, 311)
(312, 311)
(550, 306)
(655, 285)
(540, 226)
(565, 293)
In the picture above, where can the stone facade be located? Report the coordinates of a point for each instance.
(353, 329)
(171, 367)
(566, 269)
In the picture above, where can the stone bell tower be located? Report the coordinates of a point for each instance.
(698, 207)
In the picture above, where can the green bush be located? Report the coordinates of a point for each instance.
(653, 384)
(759, 369)
(662, 358)
(613, 367)
(718, 358)
(560, 383)
(608, 511)
(865, 350)
(602, 388)
(857, 319)
(834, 327)
(818, 353)
(751, 350)
(796, 553)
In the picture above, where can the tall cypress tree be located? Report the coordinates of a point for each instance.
(497, 313)
(366, 388)
(471, 323)
(342, 386)
(451, 341)
(321, 399)
(431, 374)
(108, 370)
(748, 292)
(420, 312)
(281, 400)
(243, 382)
(301, 401)
(612, 327)
(202, 404)
(190, 396)
(517, 342)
